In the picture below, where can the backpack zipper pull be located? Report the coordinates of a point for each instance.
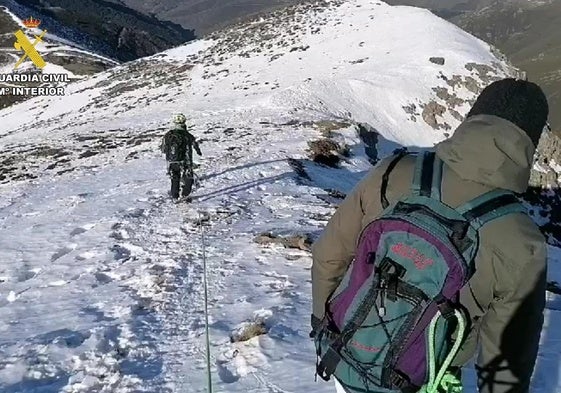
(382, 309)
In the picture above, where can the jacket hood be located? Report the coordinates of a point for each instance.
(491, 151)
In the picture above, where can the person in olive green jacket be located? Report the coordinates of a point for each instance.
(505, 299)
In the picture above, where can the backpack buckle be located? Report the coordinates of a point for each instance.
(398, 380)
(328, 364)
(390, 272)
(388, 268)
(445, 307)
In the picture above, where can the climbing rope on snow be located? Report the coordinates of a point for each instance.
(205, 284)
(444, 381)
(196, 180)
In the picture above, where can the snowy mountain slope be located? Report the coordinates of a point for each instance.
(293, 72)
(101, 280)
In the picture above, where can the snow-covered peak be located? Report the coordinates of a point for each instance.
(357, 60)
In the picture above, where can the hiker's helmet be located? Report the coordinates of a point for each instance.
(179, 118)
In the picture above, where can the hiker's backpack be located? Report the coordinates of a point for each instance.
(389, 324)
(173, 146)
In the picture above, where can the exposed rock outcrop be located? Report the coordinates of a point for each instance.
(438, 60)
(450, 102)
(327, 152)
(301, 242)
(547, 167)
(431, 112)
(369, 136)
(544, 193)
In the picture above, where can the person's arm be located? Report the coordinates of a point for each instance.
(163, 144)
(334, 250)
(510, 331)
(193, 142)
(197, 148)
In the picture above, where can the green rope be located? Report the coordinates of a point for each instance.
(205, 283)
(444, 381)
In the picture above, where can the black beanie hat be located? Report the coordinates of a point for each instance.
(520, 102)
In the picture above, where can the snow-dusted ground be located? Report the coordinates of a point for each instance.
(101, 275)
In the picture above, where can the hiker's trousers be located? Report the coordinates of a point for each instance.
(182, 177)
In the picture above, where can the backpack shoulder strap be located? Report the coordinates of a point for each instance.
(385, 178)
(427, 177)
(490, 206)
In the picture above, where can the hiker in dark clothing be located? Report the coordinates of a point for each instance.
(369, 137)
(178, 145)
(505, 299)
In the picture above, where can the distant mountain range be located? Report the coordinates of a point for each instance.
(205, 16)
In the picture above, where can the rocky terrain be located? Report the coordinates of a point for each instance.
(545, 186)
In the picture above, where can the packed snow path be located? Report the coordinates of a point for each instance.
(109, 297)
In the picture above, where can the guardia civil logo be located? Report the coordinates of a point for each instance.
(26, 48)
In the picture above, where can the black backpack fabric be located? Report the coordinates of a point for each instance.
(174, 145)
